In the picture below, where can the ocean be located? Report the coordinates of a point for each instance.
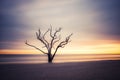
(38, 58)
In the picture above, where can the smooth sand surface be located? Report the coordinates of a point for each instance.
(93, 70)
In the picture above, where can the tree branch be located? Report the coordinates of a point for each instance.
(54, 36)
(34, 47)
(62, 44)
(47, 44)
(42, 38)
(51, 31)
(55, 52)
(55, 41)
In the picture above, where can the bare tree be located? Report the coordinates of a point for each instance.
(55, 38)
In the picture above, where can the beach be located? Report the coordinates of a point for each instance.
(89, 70)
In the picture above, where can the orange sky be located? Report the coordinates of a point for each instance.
(75, 47)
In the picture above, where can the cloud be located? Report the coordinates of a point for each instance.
(109, 16)
(19, 19)
(10, 24)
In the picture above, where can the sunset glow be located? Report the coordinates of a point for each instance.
(98, 49)
(94, 25)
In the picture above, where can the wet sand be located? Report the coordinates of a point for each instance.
(92, 70)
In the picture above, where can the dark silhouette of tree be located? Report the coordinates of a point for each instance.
(49, 45)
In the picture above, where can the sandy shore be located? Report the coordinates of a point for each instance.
(93, 70)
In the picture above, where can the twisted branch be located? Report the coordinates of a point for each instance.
(34, 47)
(54, 39)
(62, 44)
(42, 38)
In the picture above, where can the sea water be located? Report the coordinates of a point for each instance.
(37, 58)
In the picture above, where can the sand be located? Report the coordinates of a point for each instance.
(92, 70)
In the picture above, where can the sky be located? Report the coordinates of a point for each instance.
(95, 25)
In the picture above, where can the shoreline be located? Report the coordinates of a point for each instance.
(84, 61)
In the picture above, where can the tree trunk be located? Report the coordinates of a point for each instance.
(49, 58)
